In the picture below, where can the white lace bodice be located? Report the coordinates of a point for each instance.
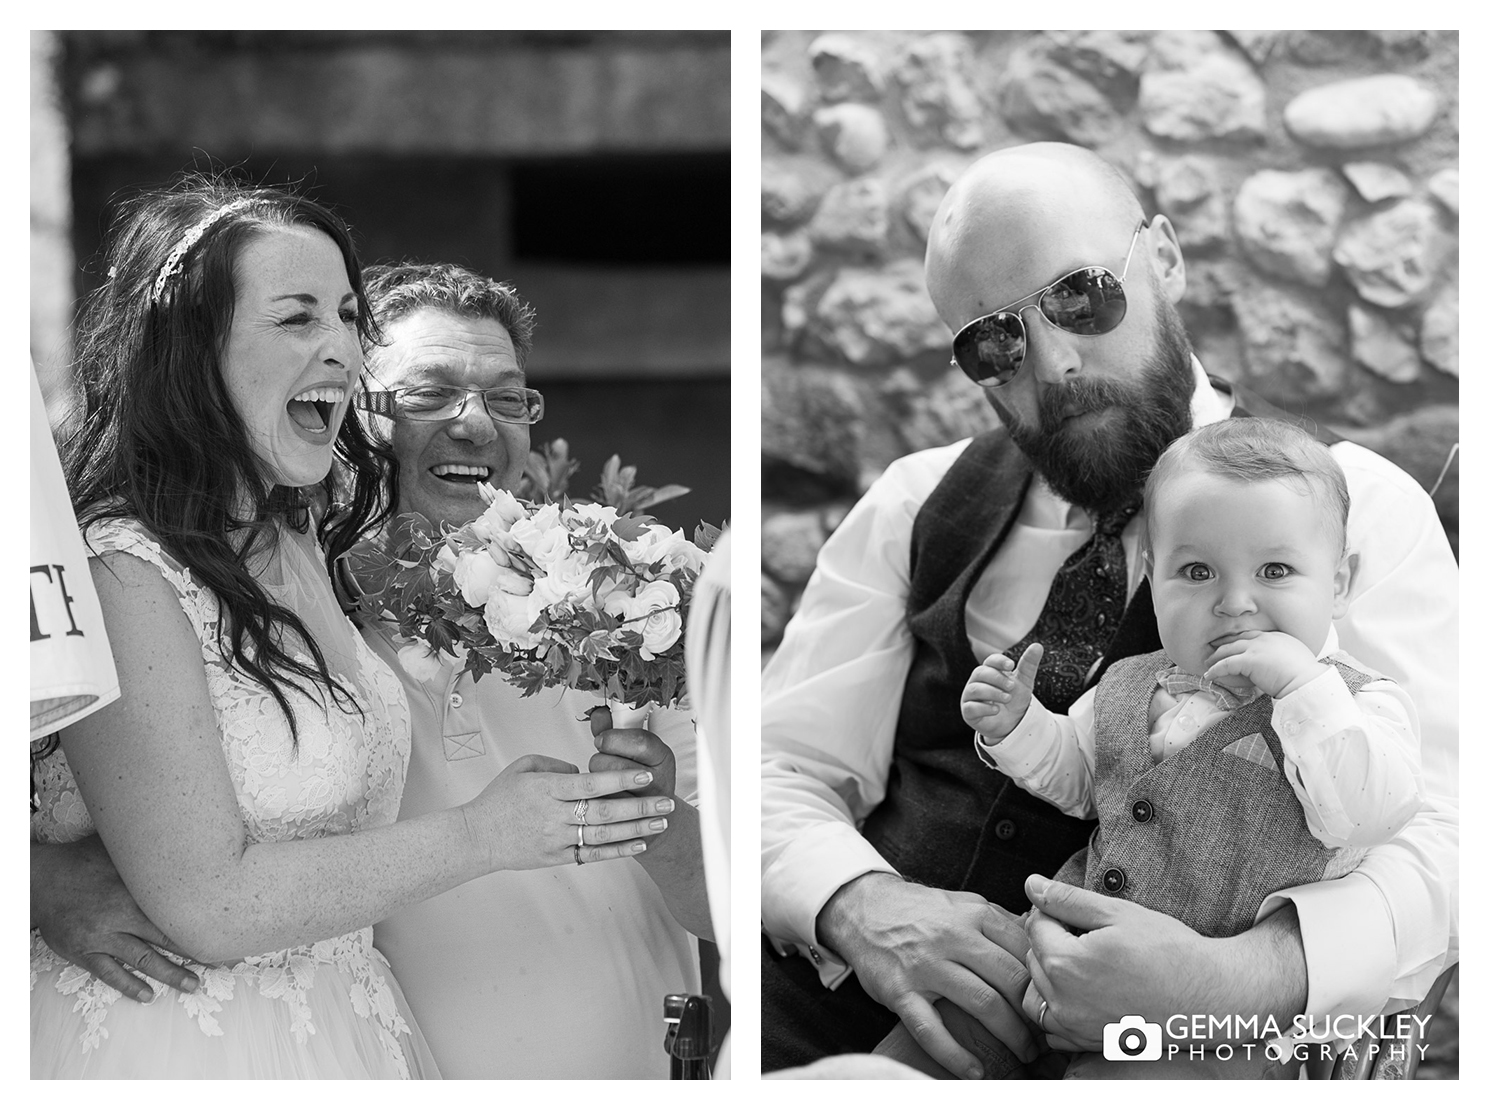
(346, 774)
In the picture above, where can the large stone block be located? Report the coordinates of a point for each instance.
(937, 94)
(1287, 222)
(1376, 181)
(1444, 186)
(921, 196)
(1381, 347)
(1293, 351)
(811, 421)
(1219, 97)
(1440, 331)
(1362, 112)
(853, 216)
(784, 258)
(1044, 99)
(791, 188)
(1111, 60)
(949, 408)
(846, 67)
(878, 317)
(789, 542)
(1393, 256)
(855, 134)
(783, 108)
(1188, 190)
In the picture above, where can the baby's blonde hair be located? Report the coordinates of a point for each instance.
(1253, 449)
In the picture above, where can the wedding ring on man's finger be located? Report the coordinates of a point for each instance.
(581, 807)
(1044, 1008)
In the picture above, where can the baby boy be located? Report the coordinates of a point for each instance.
(1251, 754)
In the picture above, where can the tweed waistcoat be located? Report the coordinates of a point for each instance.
(1206, 834)
(947, 820)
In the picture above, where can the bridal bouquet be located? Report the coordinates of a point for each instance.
(587, 595)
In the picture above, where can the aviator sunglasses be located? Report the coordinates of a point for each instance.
(1088, 301)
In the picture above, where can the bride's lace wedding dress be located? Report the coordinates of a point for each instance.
(329, 1009)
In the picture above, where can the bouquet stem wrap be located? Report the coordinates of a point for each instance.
(624, 715)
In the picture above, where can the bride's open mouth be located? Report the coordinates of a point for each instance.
(312, 409)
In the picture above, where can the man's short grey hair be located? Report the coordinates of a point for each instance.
(397, 289)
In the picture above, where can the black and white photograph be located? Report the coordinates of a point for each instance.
(380, 506)
(1109, 554)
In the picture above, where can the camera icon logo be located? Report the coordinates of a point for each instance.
(1132, 1038)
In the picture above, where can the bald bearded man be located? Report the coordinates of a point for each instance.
(891, 858)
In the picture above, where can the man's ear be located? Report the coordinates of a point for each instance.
(1167, 258)
(1344, 582)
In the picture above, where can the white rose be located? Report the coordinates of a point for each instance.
(567, 579)
(509, 617)
(475, 576)
(445, 560)
(654, 612)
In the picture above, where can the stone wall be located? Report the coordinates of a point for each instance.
(1312, 176)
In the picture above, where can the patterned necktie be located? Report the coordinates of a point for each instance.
(1082, 612)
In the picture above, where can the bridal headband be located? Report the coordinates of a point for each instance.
(189, 240)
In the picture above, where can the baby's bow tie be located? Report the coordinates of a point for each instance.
(1178, 683)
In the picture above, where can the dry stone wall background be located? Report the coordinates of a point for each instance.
(1312, 176)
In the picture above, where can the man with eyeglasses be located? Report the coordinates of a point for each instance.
(892, 860)
(541, 974)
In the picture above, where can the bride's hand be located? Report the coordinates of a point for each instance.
(528, 816)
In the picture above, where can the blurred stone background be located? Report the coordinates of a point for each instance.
(588, 168)
(1312, 176)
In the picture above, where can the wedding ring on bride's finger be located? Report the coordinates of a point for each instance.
(581, 807)
(577, 860)
(580, 830)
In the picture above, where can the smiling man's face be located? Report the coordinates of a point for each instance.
(440, 462)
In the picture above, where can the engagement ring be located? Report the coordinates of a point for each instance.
(581, 807)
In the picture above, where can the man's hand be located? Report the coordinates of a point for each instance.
(674, 857)
(1128, 959)
(87, 917)
(1274, 662)
(997, 695)
(911, 945)
(632, 749)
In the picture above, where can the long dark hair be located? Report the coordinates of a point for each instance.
(157, 437)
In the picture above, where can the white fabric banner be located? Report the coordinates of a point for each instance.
(72, 668)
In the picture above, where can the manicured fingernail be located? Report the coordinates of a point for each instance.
(974, 1072)
(638, 847)
(191, 984)
(643, 778)
(666, 805)
(658, 825)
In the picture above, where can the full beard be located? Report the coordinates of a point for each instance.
(1101, 469)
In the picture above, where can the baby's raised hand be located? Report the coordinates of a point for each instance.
(1273, 662)
(998, 693)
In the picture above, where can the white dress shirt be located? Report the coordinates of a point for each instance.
(1353, 760)
(831, 696)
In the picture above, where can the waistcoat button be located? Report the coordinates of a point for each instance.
(1005, 829)
(1142, 811)
(1113, 880)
